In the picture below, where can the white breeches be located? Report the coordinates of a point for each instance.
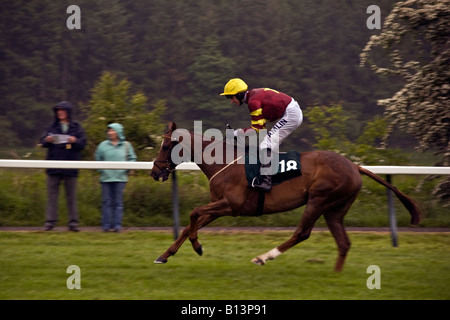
(291, 120)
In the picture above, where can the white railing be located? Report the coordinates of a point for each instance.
(140, 165)
(128, 165)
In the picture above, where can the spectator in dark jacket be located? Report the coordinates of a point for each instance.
(65, 139)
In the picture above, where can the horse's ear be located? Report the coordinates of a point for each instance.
(172, 126)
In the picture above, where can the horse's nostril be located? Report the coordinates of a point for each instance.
(154, 175)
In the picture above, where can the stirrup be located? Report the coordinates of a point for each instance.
(263, 185)
(253, 182)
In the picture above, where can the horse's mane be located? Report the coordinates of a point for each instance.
(212, 139)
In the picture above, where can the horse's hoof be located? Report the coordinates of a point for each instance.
(199, 250)
(258, 261)
(160, 260)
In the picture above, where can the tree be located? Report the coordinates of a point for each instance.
(165, 48)
(422, 105)
(112, 102)
(209, 73)
(331, 129)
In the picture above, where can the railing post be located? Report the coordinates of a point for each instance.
(175, 206)
(391, 212)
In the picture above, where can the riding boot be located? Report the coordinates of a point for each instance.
(264, 182)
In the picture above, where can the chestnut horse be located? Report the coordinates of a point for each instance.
(328, 186)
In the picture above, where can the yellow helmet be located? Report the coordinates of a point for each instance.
(234, 86)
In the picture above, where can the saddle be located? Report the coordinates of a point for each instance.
(289, 167)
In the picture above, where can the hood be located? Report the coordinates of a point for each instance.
(66, 105)
(117, 127)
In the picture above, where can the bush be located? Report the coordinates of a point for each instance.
(113, 101)
(149, 203)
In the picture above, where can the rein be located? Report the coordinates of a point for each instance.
(232, 162)
(170, 162)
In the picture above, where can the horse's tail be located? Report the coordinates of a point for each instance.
(409, 203)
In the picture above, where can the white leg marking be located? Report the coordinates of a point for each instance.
(272, 254)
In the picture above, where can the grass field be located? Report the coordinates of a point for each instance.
(33, 265)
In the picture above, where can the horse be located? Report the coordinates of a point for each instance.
(328, 185)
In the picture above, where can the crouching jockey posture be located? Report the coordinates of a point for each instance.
(264, 105)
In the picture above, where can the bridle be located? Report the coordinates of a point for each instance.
(168, 169)
(170, 164)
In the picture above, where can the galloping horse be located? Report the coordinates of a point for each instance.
(328, 186)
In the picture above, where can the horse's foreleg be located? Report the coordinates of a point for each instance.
(203, 221)
(174, 247)
(193, 234)
(212, 210)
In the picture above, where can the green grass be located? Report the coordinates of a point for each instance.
(120, 266)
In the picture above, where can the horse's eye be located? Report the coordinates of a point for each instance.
(165, 148)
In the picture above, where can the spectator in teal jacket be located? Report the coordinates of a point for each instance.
(113, 182)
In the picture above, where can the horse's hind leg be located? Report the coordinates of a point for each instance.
(335, 221)
(310, 215)
(336, 227)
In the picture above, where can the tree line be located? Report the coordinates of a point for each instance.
(183, 52)
(169, 60)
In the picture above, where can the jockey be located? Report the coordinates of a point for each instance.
(264, 105)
